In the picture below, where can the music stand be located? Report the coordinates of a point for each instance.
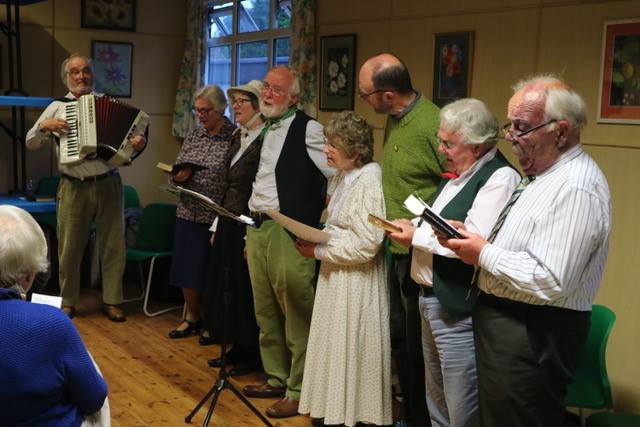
(223, 378)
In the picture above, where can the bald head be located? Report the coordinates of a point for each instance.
(386, 72)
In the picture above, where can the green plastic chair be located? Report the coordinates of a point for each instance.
(154, 240)
(610, 419)
(131, 199)
(591, 388)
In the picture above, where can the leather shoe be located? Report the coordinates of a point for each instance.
(263, 390)
(114, 313)
(242, 369)
(192, 328)
(283, 408)
(230, 358)
(69, 310)
(209, 340)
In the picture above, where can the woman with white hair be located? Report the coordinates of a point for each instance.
(48, 377)
(478, 183)
(204, 151)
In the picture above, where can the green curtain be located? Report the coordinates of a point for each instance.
(192, 67)
(303, 51)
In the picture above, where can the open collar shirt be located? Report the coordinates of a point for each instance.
(265, 189)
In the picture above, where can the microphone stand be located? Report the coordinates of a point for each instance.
(223, 378)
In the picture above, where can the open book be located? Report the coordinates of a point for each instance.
(386, 225)
(175, 168)
(300, 230)
(420, 208)
(176, 189)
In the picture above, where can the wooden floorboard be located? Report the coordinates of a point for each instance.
(155, 381)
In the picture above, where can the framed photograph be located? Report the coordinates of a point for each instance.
(119, 15)
(619, 100)
(452, 67)
(337, 77)
(112, 62)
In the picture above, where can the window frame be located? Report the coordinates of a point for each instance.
(236, 38)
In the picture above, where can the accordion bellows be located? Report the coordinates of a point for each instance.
(100, 127)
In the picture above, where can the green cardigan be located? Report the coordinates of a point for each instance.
(411, 161)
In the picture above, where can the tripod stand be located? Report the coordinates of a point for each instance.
(223, 378)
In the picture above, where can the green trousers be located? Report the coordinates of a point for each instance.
(283, 291)
(80, 203)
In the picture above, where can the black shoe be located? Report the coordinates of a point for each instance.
(242, 369)
(192, 328)
(230, 358)
(211, 339)
(317, 422)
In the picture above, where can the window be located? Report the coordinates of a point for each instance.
(245, 39)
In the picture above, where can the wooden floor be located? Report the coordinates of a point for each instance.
(155, 381)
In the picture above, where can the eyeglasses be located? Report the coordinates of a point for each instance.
(240, 101)
(507, 129)
(446, 144)
(202, 111)
(275, 90)
(75, 73)
(366, 95)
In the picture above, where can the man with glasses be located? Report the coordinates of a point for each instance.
(291, 178)
(89, 191)
(411, 164)
(541, 266)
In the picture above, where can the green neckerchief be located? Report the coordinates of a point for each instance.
(274, 120)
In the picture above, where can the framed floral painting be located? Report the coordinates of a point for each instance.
(620, 73)
(112, 63)
(452, 67)
(337, 83)
(119, 15)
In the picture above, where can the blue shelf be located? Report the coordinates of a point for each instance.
(25, 101)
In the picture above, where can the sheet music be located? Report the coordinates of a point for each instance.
(420, 208)
(302, 231)
(176, 189)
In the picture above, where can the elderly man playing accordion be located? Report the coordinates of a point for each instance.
(90, 190)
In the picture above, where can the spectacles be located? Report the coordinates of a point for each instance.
(366, 95)
(275, 90)
(446, 144)
(507, 129)
(202, 111)
(76, 73)
(240, 101)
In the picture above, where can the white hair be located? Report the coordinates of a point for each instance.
(63, 67)
(561, 102)
(23, 247)
(215, 95)
(472, 121)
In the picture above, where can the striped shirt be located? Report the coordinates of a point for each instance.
(552, 247)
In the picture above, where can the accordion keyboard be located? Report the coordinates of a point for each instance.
(69, 145)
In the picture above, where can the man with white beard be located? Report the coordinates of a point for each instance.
(292, 178)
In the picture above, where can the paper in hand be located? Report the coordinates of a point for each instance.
(420, 208)
(300, 230)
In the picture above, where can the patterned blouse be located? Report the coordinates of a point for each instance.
(209, 151)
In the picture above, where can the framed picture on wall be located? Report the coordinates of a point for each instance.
(337, 76)
(112, 64)
(117, 15)
(619, 100)
(453, 56)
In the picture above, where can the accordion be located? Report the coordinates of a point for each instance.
(100, 127)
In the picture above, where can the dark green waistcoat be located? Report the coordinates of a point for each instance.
(451, 276)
